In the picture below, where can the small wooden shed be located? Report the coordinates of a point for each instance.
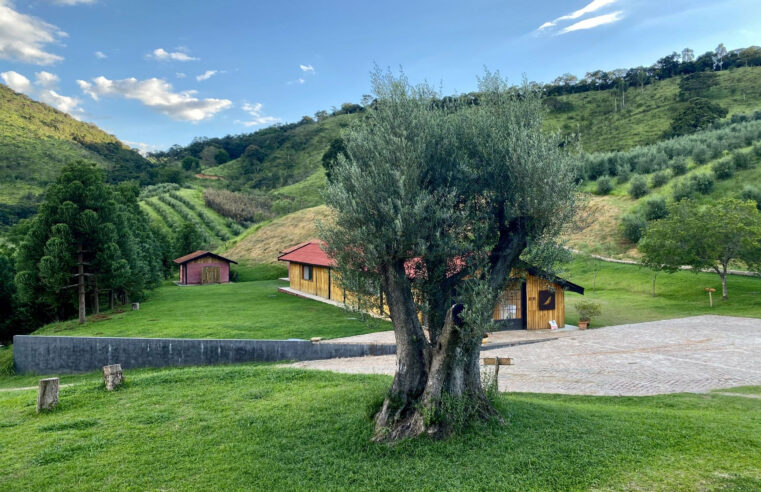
(529, 302)
(204, 267)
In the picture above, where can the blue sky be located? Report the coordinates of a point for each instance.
(157, 73)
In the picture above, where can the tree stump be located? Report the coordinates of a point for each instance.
(136, 306)
(47, 394)
(113, 376)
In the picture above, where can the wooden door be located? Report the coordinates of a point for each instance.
(210, 275)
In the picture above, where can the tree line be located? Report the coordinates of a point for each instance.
(89, 242)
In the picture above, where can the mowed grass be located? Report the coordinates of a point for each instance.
(624, 292)
(237, 310)
(267, 428)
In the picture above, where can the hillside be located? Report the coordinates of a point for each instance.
(597, 117)
(263, 243)
(285, 161)
(36, 140)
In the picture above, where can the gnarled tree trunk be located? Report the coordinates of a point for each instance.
(431, 376)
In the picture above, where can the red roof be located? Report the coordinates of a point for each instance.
(308, 253)
(199, 254)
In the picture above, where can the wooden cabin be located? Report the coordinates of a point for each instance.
(204, 267)
(530, 301)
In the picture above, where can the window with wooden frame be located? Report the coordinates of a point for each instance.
(509, 302)
(306, 273)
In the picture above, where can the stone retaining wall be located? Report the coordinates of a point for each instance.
(62, 355)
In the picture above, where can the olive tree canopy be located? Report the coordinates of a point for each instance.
(436, 201)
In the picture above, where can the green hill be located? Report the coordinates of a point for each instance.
(285, 161)
(603, 125)
(36, 140)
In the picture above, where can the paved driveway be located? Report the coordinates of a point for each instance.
(695, 354)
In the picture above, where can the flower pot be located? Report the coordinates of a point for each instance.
(583, 324)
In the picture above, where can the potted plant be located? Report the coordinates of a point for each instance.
(587, 310)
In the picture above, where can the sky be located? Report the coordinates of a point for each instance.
(158, 73)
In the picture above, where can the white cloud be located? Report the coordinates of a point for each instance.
(46, 80)
(62, 103)
(17, 82)
(300, 80)
(593, 6)
(141, 147)
(24, 38)
(156, 94)
(47, 94)
(593, 22)
(180, 75)
(160, 54)
(255, 111)
(307, 68)
(206, 75)
(100, 55)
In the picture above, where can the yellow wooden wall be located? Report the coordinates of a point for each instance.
(325, 284)
(536, 319)
(318, 286)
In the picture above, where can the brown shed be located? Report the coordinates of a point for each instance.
(204, 267)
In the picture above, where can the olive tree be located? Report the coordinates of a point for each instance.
(435, 202)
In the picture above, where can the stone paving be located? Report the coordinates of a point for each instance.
(696, 354)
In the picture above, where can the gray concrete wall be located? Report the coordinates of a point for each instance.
(62, 355)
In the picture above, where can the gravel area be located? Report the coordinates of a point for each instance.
(696, 354)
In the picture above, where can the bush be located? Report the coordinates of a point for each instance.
(683, 189)
(700, 154)
(660, 178)
(623, 174)
(655, 208)
(604, 185)
(638, 187)
(703, 183)
(723, 169)
(633, 227)
(751, 192)
(742, 160)
(587, 310)
(757, 150)
(678, 166)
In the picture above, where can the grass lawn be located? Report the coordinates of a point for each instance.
(624, 293)
(236, 310)
(266, 428)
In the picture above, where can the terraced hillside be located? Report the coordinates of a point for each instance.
(171, 206)
(705, 166)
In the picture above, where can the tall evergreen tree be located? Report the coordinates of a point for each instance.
(86, 238)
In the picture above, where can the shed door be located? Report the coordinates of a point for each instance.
(210, 275)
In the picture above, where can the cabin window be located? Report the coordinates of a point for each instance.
(307, 272)
(508, 303)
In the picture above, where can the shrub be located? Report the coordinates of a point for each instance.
(683, 189)
(678, 166)
(742, 160)
(638, 187)
(623, 175)
(700, 154)
(660, 178)
(633, 227)
(587, 310)
(757, 150)
(723, 169)
(655, 208)
(604, 185)
(703, 183)
(751, 192)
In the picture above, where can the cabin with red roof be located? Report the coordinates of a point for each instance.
(531, 301)
(204, 267)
